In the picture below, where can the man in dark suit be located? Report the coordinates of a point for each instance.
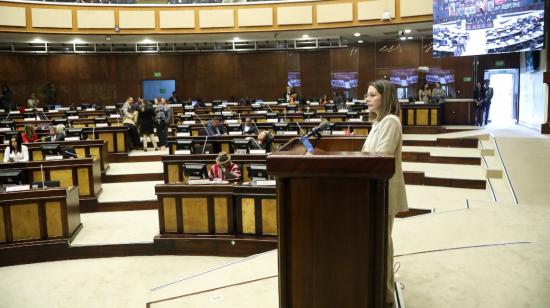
(487, 102)
(215, 128)
(54, 136)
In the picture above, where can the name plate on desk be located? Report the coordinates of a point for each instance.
(188, 122)
(235, 133)
(355, 120)
(206, 182)
(257, 151)
(17, 188)
(63, 108)
(316, 120)
(90, 109)
(50, 111)
(29, 119)
(231, 121)
(110, 107)
(14, 112)
(72, 117)
(272, 120)
(114, 116)
(227, 113)
(314, 103)
(290, 133)
(183, 134)
(53, 157)
(72, 138)
(343, 110)
(339, 132)
(185, 152)
(189, 112)
(260, 111)
(265, 183)
(102, 125)
(5, 129)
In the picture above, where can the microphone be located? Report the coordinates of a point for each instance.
(42, 174)
(317, 130)
(69, 153)
(205, 130)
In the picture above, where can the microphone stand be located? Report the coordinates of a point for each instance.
(205, 130)
(42, 174)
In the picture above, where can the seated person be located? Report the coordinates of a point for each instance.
(214, 127)
(54, 135)
(249, 128)
(438, 94)
(16, 152)
(224, 169)
(60, 129)
(265, 139)
(29, 135)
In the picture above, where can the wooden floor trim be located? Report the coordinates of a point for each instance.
(118, 178)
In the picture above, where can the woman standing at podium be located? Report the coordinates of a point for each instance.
(386, 137)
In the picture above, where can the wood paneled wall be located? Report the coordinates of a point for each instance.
(110, 78)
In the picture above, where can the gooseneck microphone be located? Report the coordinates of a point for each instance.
(205, 130)
(317, 130)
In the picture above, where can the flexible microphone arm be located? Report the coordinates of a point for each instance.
(317, 130)
(69, 153)
(205, 130)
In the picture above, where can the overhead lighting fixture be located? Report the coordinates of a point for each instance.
(38, 40)
(148, 41)
(360, 41)
(410, 38)
(236, 38)
(403, 38)
(356, 34)
(408, 31)
(77, 41)
(107, 37)
(305, 36)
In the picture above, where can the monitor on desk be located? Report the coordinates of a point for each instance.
(330, 108)
(50, 149)
(309, 114)
(61, 121)
(183, 128)
(29, 115)
(240, 146)
(73, 133)
(185, 144)
(101, 120)
(71, 113)
(195, 171)
(7, 124)
(186, 117)
(86, 106)
(45, 184)
(257, 172)
(281, 100)
(234, 127)
(280, 127)
(12, 177)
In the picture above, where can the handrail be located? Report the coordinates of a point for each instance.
(506, 172)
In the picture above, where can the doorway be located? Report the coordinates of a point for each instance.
(505, 103)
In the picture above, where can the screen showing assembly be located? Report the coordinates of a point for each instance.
(472, 27)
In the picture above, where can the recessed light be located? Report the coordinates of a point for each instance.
(38, 40)
(77, 41)
(408, 30)
(107, 37)
(356, 34)
(236, 38)
(360, 41)
(410, 38)
(305, 36)
(403, 38)
(148, 41)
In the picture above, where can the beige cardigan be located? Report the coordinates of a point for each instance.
(386, 137)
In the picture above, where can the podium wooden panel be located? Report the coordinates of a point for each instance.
(332, 224)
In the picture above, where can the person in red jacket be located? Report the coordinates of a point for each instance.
(224, 169)
(29, 135)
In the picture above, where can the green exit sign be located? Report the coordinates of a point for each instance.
(157, 74)
(499, 63)
(467, 79)
(162, 90)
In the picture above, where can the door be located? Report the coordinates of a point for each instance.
(504, 107)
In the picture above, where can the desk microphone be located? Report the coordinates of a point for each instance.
(42, 174)
(301, 130)
(205, 130)
(69, 153)
(317, 130)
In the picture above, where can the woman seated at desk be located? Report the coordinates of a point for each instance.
(16, 152)
(224, 169)
(29, 135)
(265, 139)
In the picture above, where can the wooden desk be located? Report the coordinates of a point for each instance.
(83, 148)
(82, 172)
(39, 215)
(217, 210)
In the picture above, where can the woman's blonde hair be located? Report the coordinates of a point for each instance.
(29, 130)
(388, 103)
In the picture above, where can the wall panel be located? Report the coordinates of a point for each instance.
(372, 10)
(340, 12)
(216, 18)
(416, 8)
(95, 19)
(13, 16)
(137, 19)
(177, 19)
(52, 18)
(255, 17)
(294, 15)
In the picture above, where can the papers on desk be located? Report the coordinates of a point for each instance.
(315, 120)
(257, 151)
(72, 117)
(239, 133)
(206, 182)
(116, 115)
(110, 107)
(102, 125)
(339, 132)
(290, 133)
(343, 110)
(17, 188)
(189, 122)
(5, 129)
(231, 121)
(14, 112)
(90, 109)
(63, 108)
(355, 120)
(183, 134)
(227, 113)
(272, 120)
(29, 119)
(314, 104)
(53, 157)
(189, 112)
(260, 111)
(72, 138)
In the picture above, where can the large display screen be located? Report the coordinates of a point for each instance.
(478, 27)
(152, 89)
(344, 80)
(294, 80)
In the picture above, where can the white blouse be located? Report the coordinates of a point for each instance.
(22, 156)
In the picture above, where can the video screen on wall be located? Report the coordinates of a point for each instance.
(152, 89)
(478, 27)
(404, 77)
(344, 80)
(294, 80)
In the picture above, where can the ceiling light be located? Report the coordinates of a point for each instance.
(305, 36)
(410, 38)
(107, 37)
(356, 34)
(77, 41)
(236, 38)
(360, 41)
(408, 30)
(38, 40)
(147, 41)
(403, 38)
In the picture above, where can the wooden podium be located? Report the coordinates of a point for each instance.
(332, 221)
